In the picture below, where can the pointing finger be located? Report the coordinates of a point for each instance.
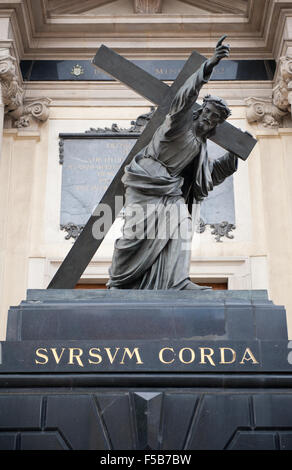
(221, 40)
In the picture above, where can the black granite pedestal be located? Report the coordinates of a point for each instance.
(150, 370)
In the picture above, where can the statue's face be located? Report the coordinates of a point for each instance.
(208, 119)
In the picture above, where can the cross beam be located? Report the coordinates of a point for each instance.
(227, 136)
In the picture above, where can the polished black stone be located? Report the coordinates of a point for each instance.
(124, 405)
(156, 321)
(134, 314)
(149, 321)
(159, 419)
(234, 297)
(54, 70)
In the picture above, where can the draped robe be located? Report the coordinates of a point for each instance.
(161, 183)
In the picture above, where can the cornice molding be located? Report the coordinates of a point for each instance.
(221, 6)
(57, 7)
(114, 94)
(282, 39)
(43, 36)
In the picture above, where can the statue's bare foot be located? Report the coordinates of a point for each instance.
(192, 286)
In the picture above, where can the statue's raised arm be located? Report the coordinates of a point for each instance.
(187, 95)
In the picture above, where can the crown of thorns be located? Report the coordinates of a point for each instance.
(220, 104)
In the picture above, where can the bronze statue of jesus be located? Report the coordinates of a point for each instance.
(164, 180)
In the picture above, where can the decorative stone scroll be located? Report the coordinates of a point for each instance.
(36, 109)
(264, 111)
(16, 106)
(270, 112)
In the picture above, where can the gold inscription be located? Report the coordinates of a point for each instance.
(92, 353)
(191, 354)
(248, 356)
(55, 354)
(204, 355)
(161, 355)
(75, 355)
(43, 356)
(122, 355)
(162, 71)
(131, 354)
(110, 356)
(222, 356)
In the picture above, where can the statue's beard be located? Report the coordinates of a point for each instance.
(203, 128)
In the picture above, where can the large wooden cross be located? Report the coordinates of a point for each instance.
(159, 93)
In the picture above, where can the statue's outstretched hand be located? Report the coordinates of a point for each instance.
(221, 51)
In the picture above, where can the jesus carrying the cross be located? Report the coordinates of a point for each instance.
(172, 172)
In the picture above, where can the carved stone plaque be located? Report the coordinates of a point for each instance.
(88, 168)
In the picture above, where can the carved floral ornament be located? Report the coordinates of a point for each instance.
(219, 231)
(270, 112)
(19, 109)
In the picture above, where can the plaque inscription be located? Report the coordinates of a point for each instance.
(88, 168)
